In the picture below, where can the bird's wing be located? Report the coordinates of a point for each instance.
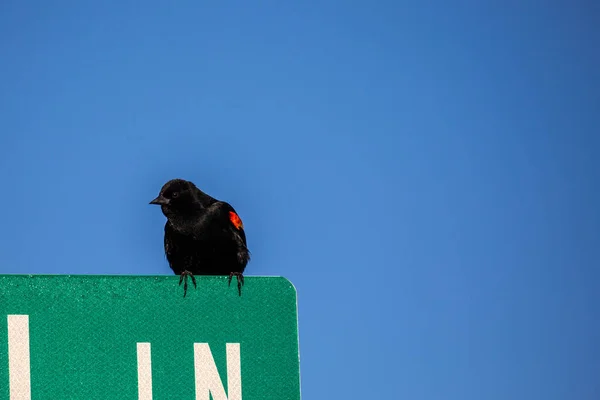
(236, 225)
(230, 223)
(236, 228)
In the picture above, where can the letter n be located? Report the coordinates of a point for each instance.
(207, 377)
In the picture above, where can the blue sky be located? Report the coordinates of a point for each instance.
(425, 173)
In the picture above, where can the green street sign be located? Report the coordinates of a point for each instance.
(81, 337)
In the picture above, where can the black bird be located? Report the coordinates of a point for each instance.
(203, 236)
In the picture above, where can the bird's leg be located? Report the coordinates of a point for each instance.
(240, 280)
(184, 277)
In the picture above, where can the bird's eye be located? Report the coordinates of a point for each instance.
(174, 194)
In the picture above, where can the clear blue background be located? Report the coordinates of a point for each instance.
(424, 172)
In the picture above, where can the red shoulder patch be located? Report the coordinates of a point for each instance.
(236, 220)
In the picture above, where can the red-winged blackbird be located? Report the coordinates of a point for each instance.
(203, 236)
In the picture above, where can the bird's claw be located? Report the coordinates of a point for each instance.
(240, 280)
(184, 278)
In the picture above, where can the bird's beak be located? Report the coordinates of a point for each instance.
(160, 201)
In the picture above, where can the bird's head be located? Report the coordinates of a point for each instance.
(178, 197)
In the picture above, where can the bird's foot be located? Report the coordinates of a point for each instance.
(240, 280)
(184, 278)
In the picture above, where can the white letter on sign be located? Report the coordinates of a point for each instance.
(207, 377)
(19, 381)
(144, 371)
